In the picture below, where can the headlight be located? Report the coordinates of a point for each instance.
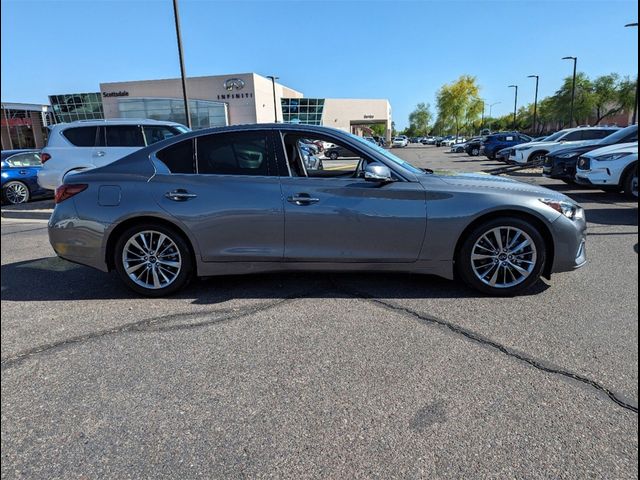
(568, 209)
(612, 156)
(568, 155)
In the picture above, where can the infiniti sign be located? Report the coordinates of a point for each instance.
(234, 84)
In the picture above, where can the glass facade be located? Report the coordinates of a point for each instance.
(24, 126)
(204, 114)
(307, 111)
(77, 106)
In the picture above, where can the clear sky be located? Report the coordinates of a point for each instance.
(400, 50)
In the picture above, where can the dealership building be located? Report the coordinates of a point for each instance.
(239, 99)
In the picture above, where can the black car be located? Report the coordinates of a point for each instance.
(336, 152)
(561, 164)
(473, 147)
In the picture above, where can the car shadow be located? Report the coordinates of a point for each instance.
(54, 279)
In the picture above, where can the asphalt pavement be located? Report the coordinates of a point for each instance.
(322, 375)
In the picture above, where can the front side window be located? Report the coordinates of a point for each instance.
(573, 136)
(124, 136)
(233, 154)
(81, 136)
(178, 157)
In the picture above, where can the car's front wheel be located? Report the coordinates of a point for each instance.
(333, 156)
(15, 192)
(475, 151)
(630, 184)
(502, 257)
(153, 260)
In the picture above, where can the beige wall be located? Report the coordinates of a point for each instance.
(342, 113)
(255, 107)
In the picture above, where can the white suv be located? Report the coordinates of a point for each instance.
(94, 143)
(571, 137)
(611, 168)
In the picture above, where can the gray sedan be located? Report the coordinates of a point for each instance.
(241, 200)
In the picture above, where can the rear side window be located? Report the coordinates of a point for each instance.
(81, 136)
(236, 154)
(157, 133)
(124, 136)
(596, 134)
(178, 157)
(24, 160)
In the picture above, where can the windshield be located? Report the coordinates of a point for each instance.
(388, 155)
(619, 135)
(555, 136)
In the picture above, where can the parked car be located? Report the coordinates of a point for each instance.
(399, 142)
(503, 155)
(371, 139)
(19, 171)
(460, 147)
(440, 141)
(448, 142)
(570, 137)
(85, 144)
(612, 168)
(498, 141)
(428, 141)
(338, 151)
(561, 164)
(156, 216)
(473, 147)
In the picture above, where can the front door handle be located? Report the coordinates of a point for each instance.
(22, 172)
(179, 195)
(302, 199)
(100, 154)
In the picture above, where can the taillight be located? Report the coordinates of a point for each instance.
(64, 192)
(44, 157)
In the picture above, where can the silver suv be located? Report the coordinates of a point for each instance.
(88, 144)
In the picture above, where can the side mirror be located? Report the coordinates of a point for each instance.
(377, 172)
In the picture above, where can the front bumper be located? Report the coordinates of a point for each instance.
(517, 157)
(559, 169)
(570, 238)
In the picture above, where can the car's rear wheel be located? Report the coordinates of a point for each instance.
(15, 192)
(475, 151)
(153, 260)
(502, 257)
(630, 184)
(333, 156)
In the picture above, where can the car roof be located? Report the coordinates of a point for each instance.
(114, 121)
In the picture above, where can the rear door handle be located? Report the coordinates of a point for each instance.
(179, 195)
(302, 199)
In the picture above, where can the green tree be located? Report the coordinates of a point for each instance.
(420, 119)
(378, 129)
(584, 99)
(611, 95)
(458, 103)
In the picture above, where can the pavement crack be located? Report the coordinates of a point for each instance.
(477, 338)
(154, 324)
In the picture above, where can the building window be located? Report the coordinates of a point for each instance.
(204, 114)
(307, 111)
(77, 106)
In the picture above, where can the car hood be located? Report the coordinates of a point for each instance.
(579, 150)
(614, 148)
(483, 181)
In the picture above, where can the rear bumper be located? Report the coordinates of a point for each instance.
(49, 179)
(77, 240)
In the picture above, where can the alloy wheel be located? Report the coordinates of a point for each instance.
(151, 259)
(16, 192)
(503, 257)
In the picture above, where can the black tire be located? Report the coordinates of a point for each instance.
(568, 181)
(536, 156)
(184, 274)
(333, 156)
(16, 192)
(475, 151)
(464, 266)
(630, 183)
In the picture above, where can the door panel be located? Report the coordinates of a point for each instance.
(237, 218)
(353, 220)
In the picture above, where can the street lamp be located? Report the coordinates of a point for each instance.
(515, 106)
(176, 17)
(635, 102)
(491, 107)
(275, 106)
(573, 88)
(535, 103)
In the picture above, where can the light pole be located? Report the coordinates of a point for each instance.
(573, 88)
(635, 102)
(275, 105)
(515, 106)
(491, 108)
(182, 72)
(535, 103)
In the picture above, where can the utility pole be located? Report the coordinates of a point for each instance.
(176, 16)
(535, 104)
(573, 88)
(275, 105)
(515, 107)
